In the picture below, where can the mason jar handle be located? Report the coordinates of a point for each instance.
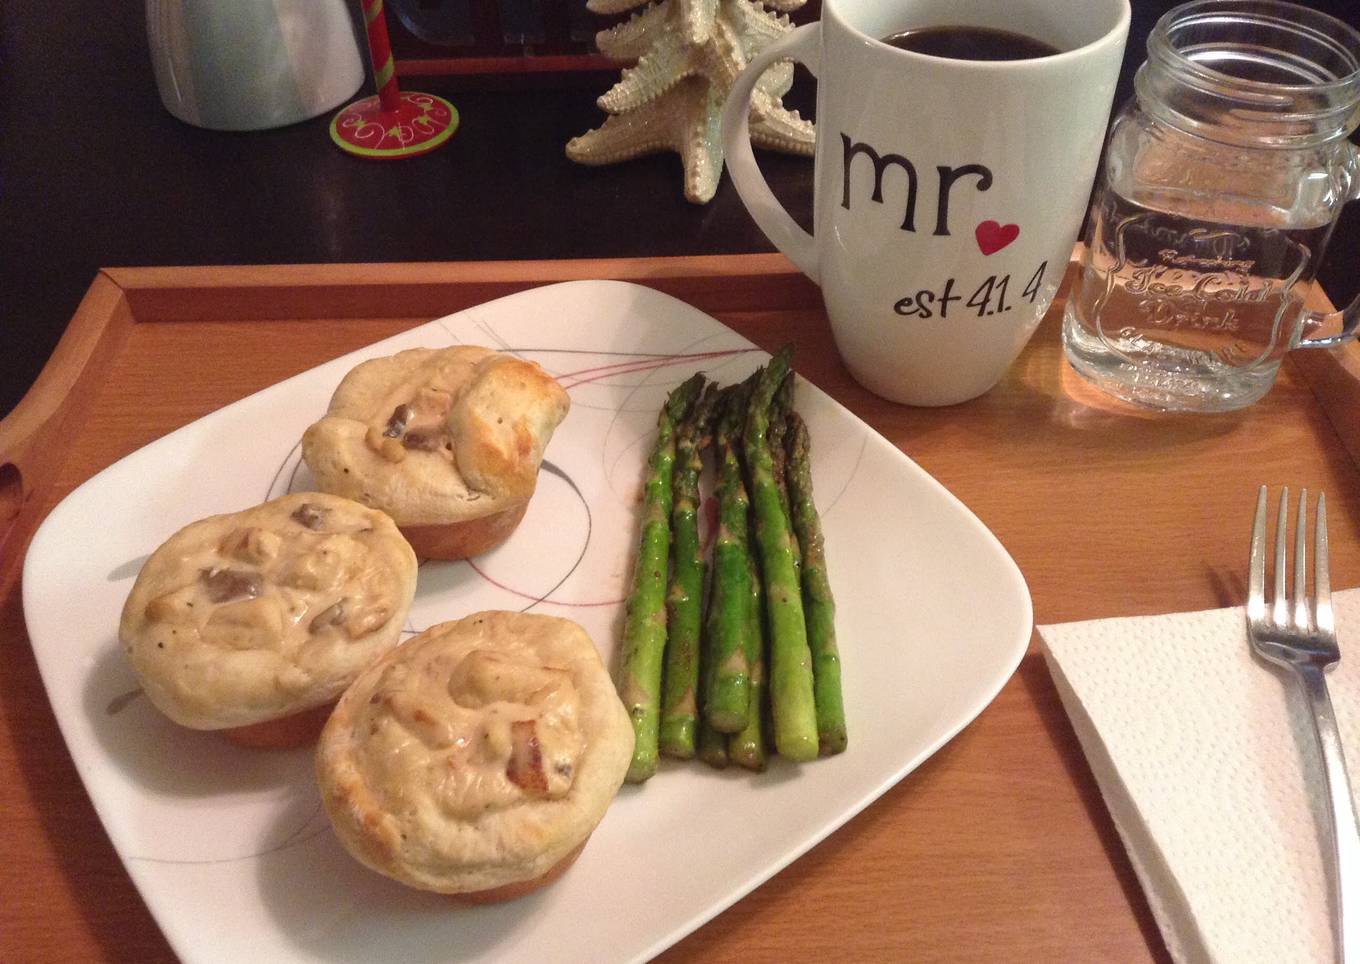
(1349, 316)
(803, 45)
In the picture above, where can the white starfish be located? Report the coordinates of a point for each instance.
(670, 60)
(696, 19)
(685, 119)
(608, 7)
(631, 39)
(757, 27)
(687, 56)
(776, 128)
(658, 40)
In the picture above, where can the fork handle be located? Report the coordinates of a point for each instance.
(1345, 834)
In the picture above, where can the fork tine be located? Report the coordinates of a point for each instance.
(1256, 573)
(1307, 648)
(1280, 574)
(1302, 620)
(1322, 581)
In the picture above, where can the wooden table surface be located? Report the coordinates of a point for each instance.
(999, 847)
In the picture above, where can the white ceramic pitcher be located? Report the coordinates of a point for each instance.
(243, 65)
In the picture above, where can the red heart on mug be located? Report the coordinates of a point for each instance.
(992, 237)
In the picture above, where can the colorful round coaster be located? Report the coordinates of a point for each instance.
(420, 124)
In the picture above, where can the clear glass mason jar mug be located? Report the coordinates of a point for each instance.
(1222, 180)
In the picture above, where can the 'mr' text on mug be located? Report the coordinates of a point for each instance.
(948, 179)
(988, 297)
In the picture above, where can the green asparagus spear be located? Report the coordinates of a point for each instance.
(712, 746)
(729, 678)
(791, 695)
(644, 630)
(817, 598)
(684, 600)
(780, 406)
(747, 747)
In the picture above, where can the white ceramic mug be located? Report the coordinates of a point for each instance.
(948, 192)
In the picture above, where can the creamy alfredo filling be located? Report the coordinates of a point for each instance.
(471, 733)
(304, 581)
(414, 417)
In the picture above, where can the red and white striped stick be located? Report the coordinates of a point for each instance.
(391, 124)
(380, 49)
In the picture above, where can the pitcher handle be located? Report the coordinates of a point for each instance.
(803, 45)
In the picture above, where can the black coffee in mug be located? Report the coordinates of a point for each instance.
(970, 43)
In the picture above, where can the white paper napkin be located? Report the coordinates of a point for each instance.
(1208, 764)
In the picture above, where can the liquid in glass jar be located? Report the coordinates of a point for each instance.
(1188, 312)
(1221, 182)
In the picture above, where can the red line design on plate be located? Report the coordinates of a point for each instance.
(538, 599)
(644, 364)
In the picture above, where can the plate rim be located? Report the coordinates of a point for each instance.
(1013, 651)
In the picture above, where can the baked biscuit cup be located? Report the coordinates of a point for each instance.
(255, 622)
(497, 895)
(477, 759)
(284, 733)
(447, 441)
(463, 540)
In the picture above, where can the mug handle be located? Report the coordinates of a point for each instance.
(1348, 317)
(802, 44)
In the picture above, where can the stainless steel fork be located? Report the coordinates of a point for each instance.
(1302, 638)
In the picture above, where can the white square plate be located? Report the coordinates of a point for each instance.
(230, 848)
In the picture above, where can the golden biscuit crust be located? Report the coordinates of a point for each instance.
(437, 436)
(260, 614)
(480, 754)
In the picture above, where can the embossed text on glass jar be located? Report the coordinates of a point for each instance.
(1221, 183)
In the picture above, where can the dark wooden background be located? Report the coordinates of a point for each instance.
(95, 172)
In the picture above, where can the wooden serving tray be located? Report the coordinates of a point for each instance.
(999, 847)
